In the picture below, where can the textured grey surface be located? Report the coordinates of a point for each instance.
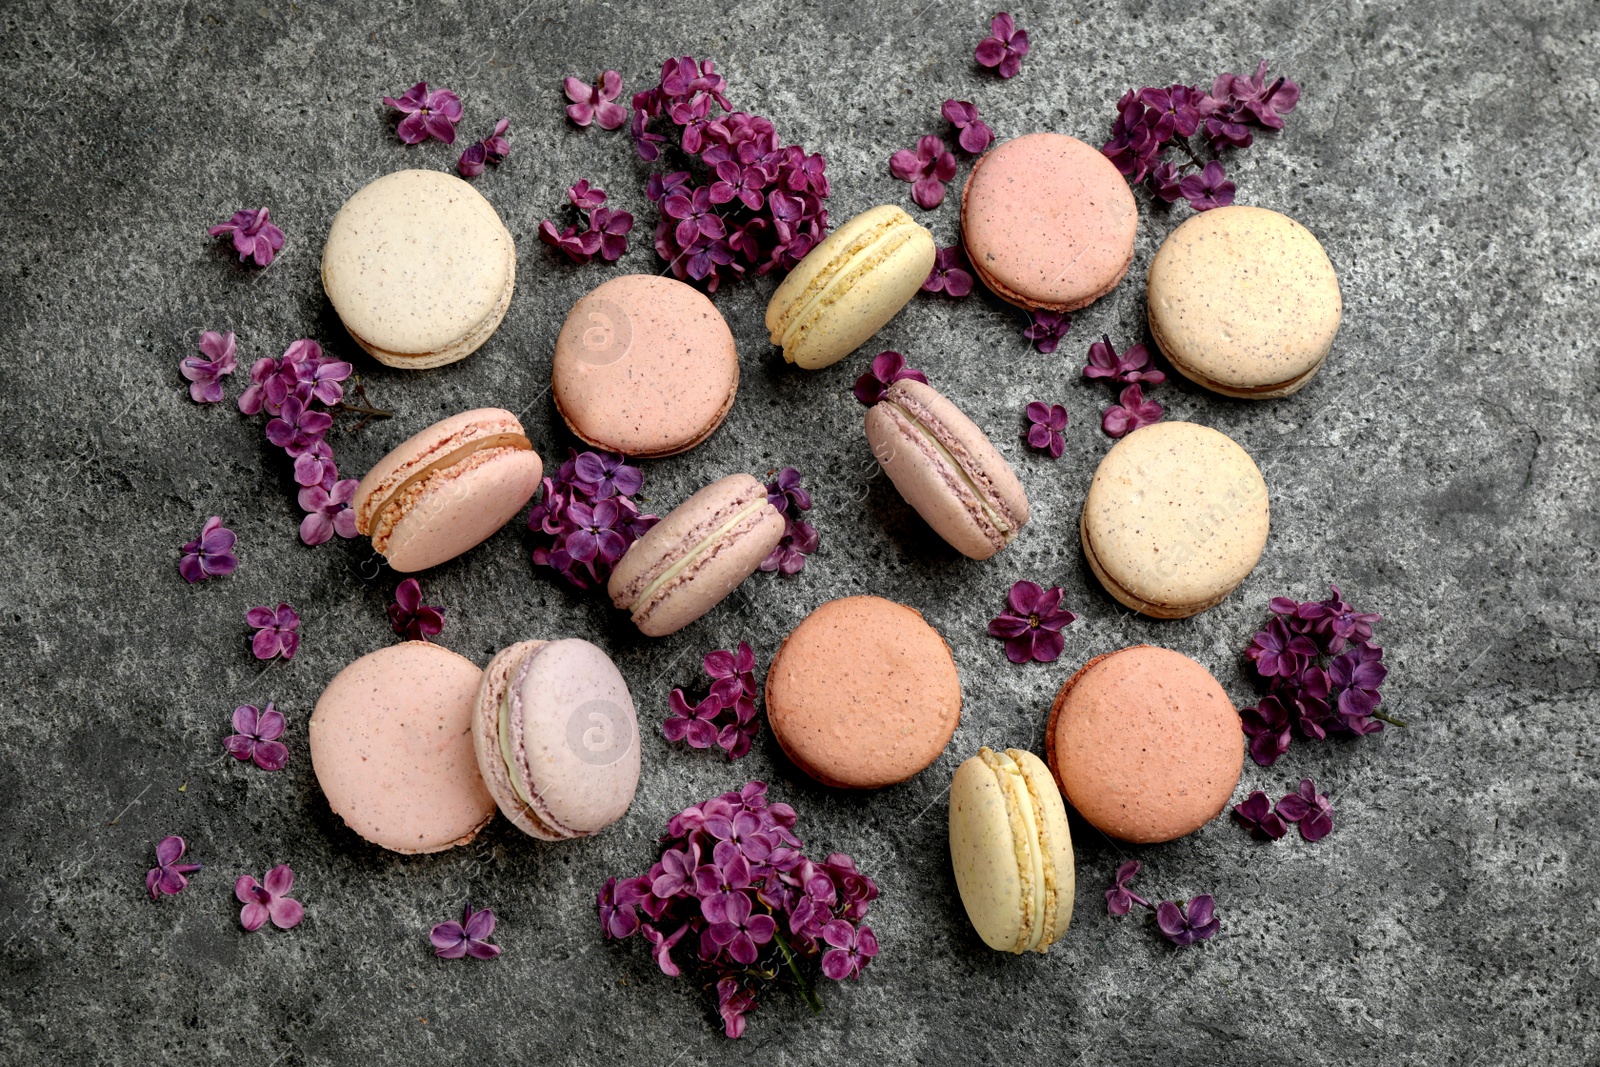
(1441, 469)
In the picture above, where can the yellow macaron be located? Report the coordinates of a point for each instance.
(1011, 850)
(849, 286)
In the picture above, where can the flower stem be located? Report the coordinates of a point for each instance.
(1376, 714)
(812, 1000)
(1183, 143)
(363, 409)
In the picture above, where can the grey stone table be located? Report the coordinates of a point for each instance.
(1441, 469)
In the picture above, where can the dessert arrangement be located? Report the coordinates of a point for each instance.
(416, 748)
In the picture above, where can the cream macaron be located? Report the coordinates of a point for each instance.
(419, 268)
(1175, 518)
(1011, 849)
(1244, 302)
(849, 286)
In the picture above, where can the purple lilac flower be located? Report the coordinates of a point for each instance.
(257, 735)
(1165, 181)
(578, 247)
(1208, 189)
(1137, 137)
(1184, 924)
(1356, 675)
(169, 876)
(852, 949)
(734, 1002)
(1126, 369)
(277, 631)
(1130, 412)
(786, 493)
(1278, 652)
(1267, 727)
(268, 900)
(327, 508)
(1003, 49)
(297, 426)
(975, 134)
(613, 228)
(1120, 898)
(800, 538)
(584, 196)
(606, 474)
(1047, 329)
(410, 617)
(695, 724)
(315, 465)
(1045, 425)
(1178, 104)
(1236, 103)
(1309, 808)
(927, 168)
(469, 937)
(1337, 621)
(211, 554)
(600, 473)
(595, 103)
(254, 235)
(321, 379)
(887, 368)
(951, 273)
(1032, 623)
(591, 536)
(428, 113)
(492, 149)
(1256, 814)
(205, 375)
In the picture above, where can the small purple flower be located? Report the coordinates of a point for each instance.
(741, 932)
(1357, 674)
(257, 736)
(268, 901)
(315, 465)
(1136, 138)
(1311, 809)
(853, 948)
(1120, 898)
(428, 113)
(277, 631)
(1267, 726)
(1278, 653)
(585, 197)
(1130, 412)
(322, 378)
(1045, 425)
(787, 494)
(887, 368)
(1165, 181)
(328, 511)
(211, 554)
(734, 1002)
(661, 946)
(1131, 366)
(1183, 925)
(410, 617)
(169, 876)
(951, 273)
(578, 247)
(254, 235)
(744, 184)
(733, 674)
(1178, 104)
(975, 134)
(720, 883)
(696, 214)
(492, 149)
(613, 228)
(1338, 621)
(1004, 48)
(693, 724)
(617, 901)
(1047, 329)
(205, 375)
(297, 426)
(677, 872)
(595, 103)
(1256, 813)
(799, 540)
(605, 474)
(469, 937)
(1208, 189)
(1032, 623)
(927, 169)
(590, 533)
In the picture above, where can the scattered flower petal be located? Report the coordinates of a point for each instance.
(1003, 49)
(205, 375)
(211, 554)
(428, 113)
(469, 937)
(1045, 426)
(254, 236)
(887, 368)
(1130, 412)
(951, 274)
(268, 900)
(410, 617)
(277, 631)
(1032, 623)
(257, 733)
(168, 876)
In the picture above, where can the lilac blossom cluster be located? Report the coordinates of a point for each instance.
(733, 880)
(589, 515)
(749, 204)
(726, 717)
(606, 234)
(800, 538)
(1322, 673)
(1131, 370)
(1150, 119)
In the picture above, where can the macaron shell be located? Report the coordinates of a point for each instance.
(1176, 517)
(645, 366)
(863, 693)
(1048, 222)
(486, 743)
(391, 746)
(1244, 301)
(983, 854)
(1145, 744)
(418, 266)
(460, 508)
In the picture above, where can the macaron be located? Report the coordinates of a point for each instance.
(863, 693)
(1244, 302)
(688, 562)
(1012, 850)
(645, 366)
(556, 738)
(1176, 517)
(849, 286)
(420, 268)
(1145, 744)
(391, 746)
(447, 489)
(1048, 223)
(947, 469)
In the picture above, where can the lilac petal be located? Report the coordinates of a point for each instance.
(1317, 825)
(269, 726)
(990, 52)
(239, 746)
(270, 755)
(1008, 626)
(1201, 910)
(253, 915)
(1170, 920)
(1294, 807)
(279, 880)
(480, 924)
(446, 935)
(265, 644)
(259, 617)
(169, 850)
(482, 950)
(285, 912)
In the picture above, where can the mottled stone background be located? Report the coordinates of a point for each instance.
(1441, 469)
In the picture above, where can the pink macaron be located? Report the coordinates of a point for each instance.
(1048, 222)
(556, 738)
(391, 746)
(447, 489)
(688, 562)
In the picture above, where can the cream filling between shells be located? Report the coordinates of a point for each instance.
(661, 580)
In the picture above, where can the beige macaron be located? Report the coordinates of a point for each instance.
(1011, 849)
(1176, 517)
(1244, 302)
(849, 286)
(420, 268)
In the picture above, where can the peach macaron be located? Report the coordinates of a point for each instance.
(391, 746)
(645, 366)
(1145, 744)
(863, 693)
(1048, 223)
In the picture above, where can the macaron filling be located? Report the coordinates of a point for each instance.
(996, 518)
(514, 441)
(1029, 847)
(871, 249)
(677, 567)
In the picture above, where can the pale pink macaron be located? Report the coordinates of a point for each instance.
(1048, 223)
(391, 746)
(688, 562)
(447, 489)
(645, 366)
(1145, 744)
(556, 738)
(947, 469)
